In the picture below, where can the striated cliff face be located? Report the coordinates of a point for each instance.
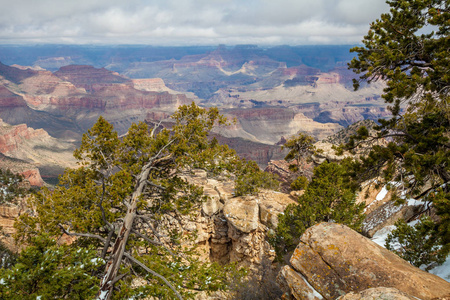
(10, 100)
(12, 136)
(75, 96)
(87, 77)
(36, 148)
(269, 124)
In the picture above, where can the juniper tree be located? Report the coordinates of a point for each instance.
(300, 148)
(46, 270)
(126, 192)
(419, 244)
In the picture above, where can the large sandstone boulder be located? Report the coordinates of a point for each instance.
(336, 260)
(378, 293)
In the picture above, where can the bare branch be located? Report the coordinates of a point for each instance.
(140, 264)
(89, 235)
(158, 243)
(156, 185)
(156, 126)
(107, 243)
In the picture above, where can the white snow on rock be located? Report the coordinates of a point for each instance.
(380, 237)
(382, 194)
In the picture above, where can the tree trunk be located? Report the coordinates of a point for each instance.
(113, 265)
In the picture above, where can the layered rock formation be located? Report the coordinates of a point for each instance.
(25, 150)
(75, 96)
(8, 215)
(269, 124)
(335, 260)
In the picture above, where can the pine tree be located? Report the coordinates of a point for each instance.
(408, 48)
(329, 197)
(420, 244)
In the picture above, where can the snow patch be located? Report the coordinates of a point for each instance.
(380, 237)
(315, 294)
(414, 202)
(382, 194)
(443, 270)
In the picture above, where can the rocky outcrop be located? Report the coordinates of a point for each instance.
(388, 213)
(280, 168)
(336, 260)
(378, 293)
(8, 215)
(29, 171)
(327, 153)
(381, 211)
(12, 136)
(249, 218)
(233, 229)
(33, 176)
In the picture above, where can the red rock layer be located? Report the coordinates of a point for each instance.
(9, 99)
(11, 137)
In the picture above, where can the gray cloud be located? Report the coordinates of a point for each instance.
(183, 22)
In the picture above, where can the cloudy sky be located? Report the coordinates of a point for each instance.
(187, 22)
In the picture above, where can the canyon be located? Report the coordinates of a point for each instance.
(271, 93)
(47, 103)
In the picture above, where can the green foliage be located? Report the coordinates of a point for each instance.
(7, 257)
(441, 202)
(46, 270)
(11, 186)
(250, 179)
(300, 183)
(300, 147)
(408, 48)
(395, 50)
(416, 68)
(419, 244)
(93, 201)
(329, 197)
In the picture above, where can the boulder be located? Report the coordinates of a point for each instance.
(242, 213)
(290, 280)
(271, 204)
(378, 293)
(336, 260)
